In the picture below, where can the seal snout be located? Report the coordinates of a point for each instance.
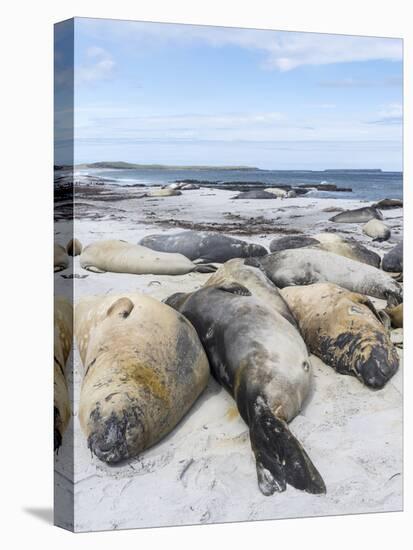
(379, 368)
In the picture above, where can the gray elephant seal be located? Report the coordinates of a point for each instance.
(255, 195)
(74, 247)
(377, 230)
(358, 215)
(393, 260)
(61, 259)
(345, 331)
(203, 247)
(63, 337)
(329, 242)
(144, 368)
(389, 203)
(307, 266)
(122, 257)
(262, 361)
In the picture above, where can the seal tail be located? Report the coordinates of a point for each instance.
(280, 457)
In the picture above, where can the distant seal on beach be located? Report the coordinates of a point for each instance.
(329, 242)
(256, 194)
(377, 230)
(358, 215)
(344, 330)
(144, 367)
(163, 193)
(261, 360)
(396, 315)
(306, 266)
(61, 259)
(389, 203)
(122, 257)
(74, 247)
(202, 246)
(277, 191)
(393, 260)
(63, 337)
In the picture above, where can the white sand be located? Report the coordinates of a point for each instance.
(204, 471)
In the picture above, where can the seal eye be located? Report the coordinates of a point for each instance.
(306, 366)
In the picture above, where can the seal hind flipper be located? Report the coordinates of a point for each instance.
(93, 269)
(280, 457)
(205, 268)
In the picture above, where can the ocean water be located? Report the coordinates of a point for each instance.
(366, 185)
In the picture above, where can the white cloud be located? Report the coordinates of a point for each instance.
(390, 115)
(283, 51)
(100, 65)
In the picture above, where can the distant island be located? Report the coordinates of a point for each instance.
(120, 165)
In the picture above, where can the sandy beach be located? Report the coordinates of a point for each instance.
(204, 470)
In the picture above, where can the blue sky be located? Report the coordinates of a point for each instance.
(178, 94)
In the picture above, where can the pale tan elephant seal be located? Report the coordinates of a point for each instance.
(122, 257)
(63, 337)
(377, 230)
(144, 367)
(166, 192)
(74, 247)
(61, 259)
(396, 315)
(344, 330)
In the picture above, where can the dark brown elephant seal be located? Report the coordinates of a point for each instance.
(345, 331)
(74, 247)
(261, 359)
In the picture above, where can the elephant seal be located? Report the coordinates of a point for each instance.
(63, 337)
(122, 257)
(74, 247)
(396, 315)
(262, 361)
(358, 215)
(393, 260)
(61, 259)
(377, 230)
(277, 191)
(345, 331)
(306, 266)
(144, 367)
(163, 193)
(389, 203)
(329, 242)
(203, 247)
(257, 194)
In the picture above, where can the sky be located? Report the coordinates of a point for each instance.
(183, 94)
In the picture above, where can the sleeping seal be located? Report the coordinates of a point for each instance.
(61, 259)
(261, 359)
(163, 192)
(377, 230)
(63, 336)
(345, 331)
(393, 260)
(329, 242)
(144, 367)
(277, 191)
(389, 203)
(74, 247)
(256, 194)
(122, 257)
(203, 247)
(358, 215)
(307, 265)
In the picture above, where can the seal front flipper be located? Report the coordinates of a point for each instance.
(279, 455)
(93, 269)
(205, 268)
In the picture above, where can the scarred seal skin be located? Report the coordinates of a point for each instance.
(203, 247)
(122, 257)
(260, 358)
(74, 247)
(330, 242)
(61, 259)
(358, 215)
(345, 331)
(63, 338)
(144, 367)
(307, 266)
